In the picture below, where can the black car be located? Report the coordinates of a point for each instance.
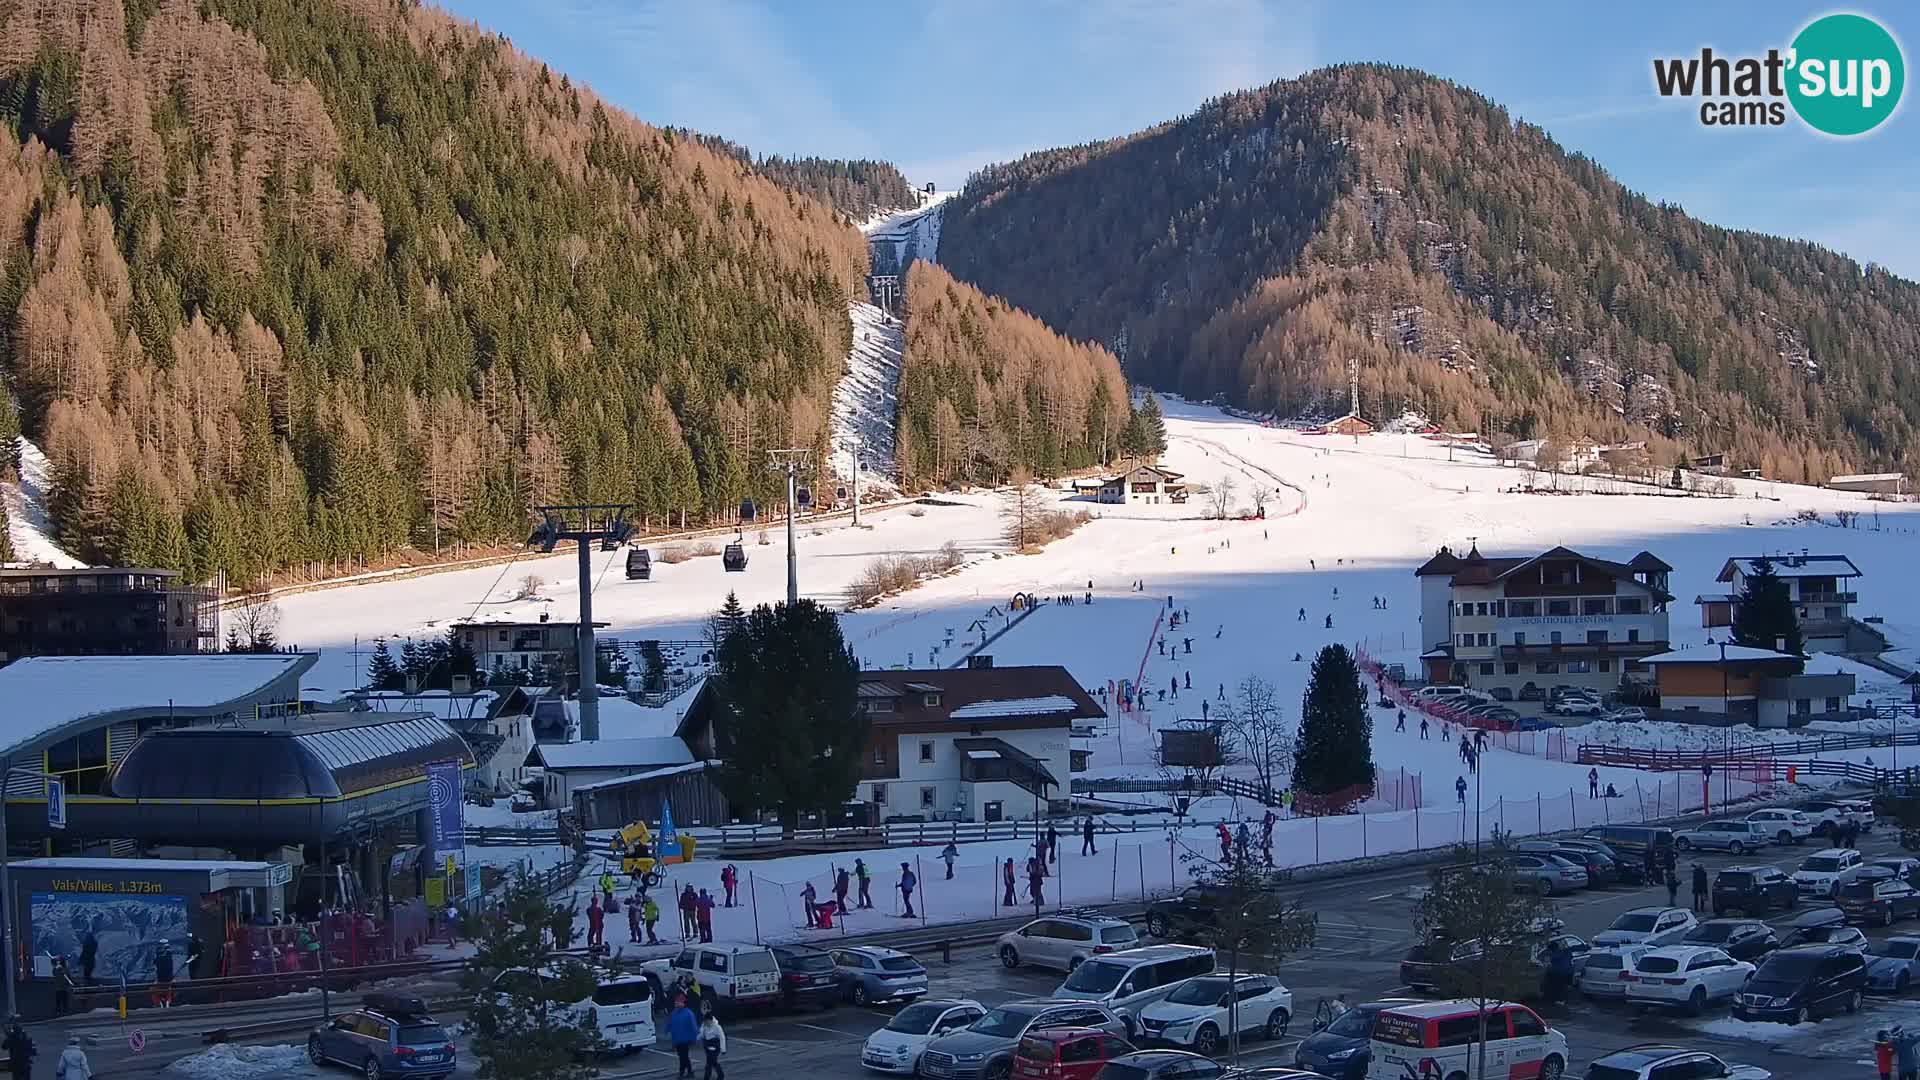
(1422, 962)
(1632, 842)
(1160, 1065)
(1742, 939)
(1878, 900)
(1196, 908)
(807, 976)
(1628, 871)
(1341, 1050)
(1753, 890)
(1803, 983)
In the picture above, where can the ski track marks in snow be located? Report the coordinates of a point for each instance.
(865, 401)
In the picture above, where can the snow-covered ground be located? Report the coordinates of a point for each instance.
(27, 522)
(231, 1061)
(864, 401)
(912, 233)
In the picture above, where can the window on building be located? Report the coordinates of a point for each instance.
(1513, 669)
(927, 795)
(879, 755)
(1596, 637)
(1606, 666)
(926, 751)
(503, 638)
(1500, 609)
(1519, 637)
(1466, 610)
(880, 794)
(931, 701)
(879, 704)
(1633, 635)
(1630, 605)
(1554, 637)
(1484, 640)
(1466, 641)
(1559, 607)
(1546, 667)
(1594, 605)
(1579, 667)
(1832, 612)
(1480, 609)
(1486, 669)
(1523, 609)
(1803, 706)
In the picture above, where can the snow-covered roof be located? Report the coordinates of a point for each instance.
(1711, 654)
(69, 694)
(650, 774)
(1038, 706)
(1793, 566)
(1868, 478)
(624, 720)
(441, 703)
(1715, 598)
(614, 753)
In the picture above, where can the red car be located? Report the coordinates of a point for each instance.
(1066, 1053)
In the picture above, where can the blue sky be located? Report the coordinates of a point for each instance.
(940, 87)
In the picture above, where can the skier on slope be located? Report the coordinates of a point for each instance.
(1329, 621)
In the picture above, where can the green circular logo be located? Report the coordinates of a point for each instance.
(1847, 74)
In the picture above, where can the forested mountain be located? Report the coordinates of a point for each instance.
(986, 388)
(1475, 270)
(304, 281)
(858, 188)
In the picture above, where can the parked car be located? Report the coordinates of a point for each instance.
(1655, 926)
(1339, 1050)
(1066, 1053)
(1654, 1062)
(1501, 693)
(1685, 976)
(1787, 826)
(872, 974)
(1575, 706)
(1737, 836)
(1604, 975)
(1195, 908)
(1632, 714)
(1893, 964)
(1743, 939)
(1753, 890)
(896, 1048)
(1829, 816)
(1822, 873)
(1063, 941)
(1161, 1065)
(1862, 812)
(1804, 983)
(1824, 926)
(1632, 871)
(1600, 867)
(808, 977)
(1196, 1014)
(1132, 979)
(1545, 874)
(1420, 964)
(621, 1005)
(1877, 899)
(1900, 866)
(731, 976)
(1632, 842)
(1531, 692)
(389, 1035)
(984, 1049)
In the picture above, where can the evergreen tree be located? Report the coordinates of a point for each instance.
(725, 621)
(1153, 428)
(785, 721)
(382, 672)
(1336, 730)
(413, 664)
(234, 644)
(653, 665)
(526, 1028)
(1765, 615)
(460, 658)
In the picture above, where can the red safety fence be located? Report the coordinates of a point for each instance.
(1552, 745)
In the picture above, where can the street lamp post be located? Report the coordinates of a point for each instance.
(1726, 723)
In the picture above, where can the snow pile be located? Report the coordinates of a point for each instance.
(1407, 423)
(27, 521)
(865, 402)
(1868, 682)
(227, 1061)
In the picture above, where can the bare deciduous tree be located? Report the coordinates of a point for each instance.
(530, 587)
(1023, 508)
(1261, 496)
(1256, 731)
(1222, 497)
(254, 626)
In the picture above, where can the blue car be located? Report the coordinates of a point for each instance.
(1339, 1051)
(872, 975)
(391, 1035)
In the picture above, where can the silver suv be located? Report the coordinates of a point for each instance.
(1066, 939)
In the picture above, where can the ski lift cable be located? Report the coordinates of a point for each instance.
(515, 557)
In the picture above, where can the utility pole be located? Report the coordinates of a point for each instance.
(791, 461)
(585, 523)
(856, 481)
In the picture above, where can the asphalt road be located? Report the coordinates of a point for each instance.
(1365, 927)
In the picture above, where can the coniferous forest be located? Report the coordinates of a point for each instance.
(292, 283)
(986, 389)
(1477, 273)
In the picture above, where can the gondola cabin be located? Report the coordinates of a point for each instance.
(639, 565)
(734, 558)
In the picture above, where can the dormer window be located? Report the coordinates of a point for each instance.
(931, 701)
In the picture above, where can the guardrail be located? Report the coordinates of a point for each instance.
(1799, 749)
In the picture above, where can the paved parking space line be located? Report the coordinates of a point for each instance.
(828, 1030)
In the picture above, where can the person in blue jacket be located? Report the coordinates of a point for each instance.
(907, 882)
(684, 1029)
(1906, 1052)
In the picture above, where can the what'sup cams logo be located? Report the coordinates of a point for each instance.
(1842, 76)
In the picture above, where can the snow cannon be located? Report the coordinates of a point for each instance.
(639, 857)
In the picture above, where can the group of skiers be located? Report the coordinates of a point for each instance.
(1234, 845)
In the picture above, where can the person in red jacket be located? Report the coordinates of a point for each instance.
(596, 922)
(1883, 1054)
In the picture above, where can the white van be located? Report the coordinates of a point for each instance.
(621, 1005)
(1132, 979)
(1436, 1039)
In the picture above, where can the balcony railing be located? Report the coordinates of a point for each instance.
(1829, 598)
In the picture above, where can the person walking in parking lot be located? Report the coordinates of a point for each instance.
(1006, 879)
(683, 1028)
(1906, 1053)
(1700, 887)
(1086, 838)
(1673, 887)
(1670, 861)
(714, 1041)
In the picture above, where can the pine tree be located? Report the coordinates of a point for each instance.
(1153, 428)
(413, 664)
(460, 659)
(725, 621)
(527, 1028)
(382, 672)
(1336, 731)
(785, 721)
(1765, 616)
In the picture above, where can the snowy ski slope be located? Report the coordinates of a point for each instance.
(864, 401)
(27, 523)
